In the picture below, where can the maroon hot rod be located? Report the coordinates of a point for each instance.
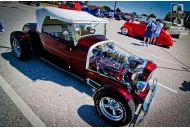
(120, 80)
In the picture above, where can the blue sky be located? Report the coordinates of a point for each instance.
(159, 8)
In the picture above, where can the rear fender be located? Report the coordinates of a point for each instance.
(122, 91)
(21, 35)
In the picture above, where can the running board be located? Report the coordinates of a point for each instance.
(62, 69)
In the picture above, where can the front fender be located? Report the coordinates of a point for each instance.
(122, 91)
(130, 31)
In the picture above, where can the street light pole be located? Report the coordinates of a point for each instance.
(150, 10)
(148, 17)
(115, 5)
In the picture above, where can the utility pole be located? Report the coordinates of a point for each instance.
(150, 10)
(115, 5)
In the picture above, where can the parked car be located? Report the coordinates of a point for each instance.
(70, 5)
(37, 3)
(79, 42)
(138, 28)
(168, 25)
(118, 17)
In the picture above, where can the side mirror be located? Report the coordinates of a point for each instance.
(74, 40)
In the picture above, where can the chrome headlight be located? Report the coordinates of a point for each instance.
(141, 86)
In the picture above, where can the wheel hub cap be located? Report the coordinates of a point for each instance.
(111, 108)
(16, 47)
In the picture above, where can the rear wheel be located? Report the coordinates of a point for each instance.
(114, 108)
(20, 47)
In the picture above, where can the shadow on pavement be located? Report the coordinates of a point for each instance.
(89, 114)
(137, 44)
(37, 69)
(185, 86)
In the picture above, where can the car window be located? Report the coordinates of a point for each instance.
(62, 32)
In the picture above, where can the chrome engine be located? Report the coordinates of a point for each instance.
(119, 67)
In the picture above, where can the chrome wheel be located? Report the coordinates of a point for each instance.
(111, 108)
(124, 31)
(16, 47)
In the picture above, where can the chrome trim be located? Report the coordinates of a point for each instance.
(62, 69)
(16, 47)
(111, 109)
(104, 75)
(88, 82)
(148, 100)
(141, 86)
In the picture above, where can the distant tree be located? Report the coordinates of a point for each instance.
(134, 13)
(106, 7)
(152, 15)
(143, 14)
(118, 10)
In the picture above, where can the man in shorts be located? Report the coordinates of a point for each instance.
(156, 32)
(148, 33)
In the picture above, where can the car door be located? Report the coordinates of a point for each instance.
(47, 41)
(140, 29)
(55, 42)
(64, 50)
(79, 55)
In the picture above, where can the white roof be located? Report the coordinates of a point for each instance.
(70, 16)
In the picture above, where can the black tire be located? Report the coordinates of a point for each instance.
(128, 107)
(175, 36)
(25, 47)
(38, 5)
(28, 3)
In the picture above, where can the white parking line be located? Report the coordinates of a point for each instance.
(24, 108)
(147, 53)
(161, 85)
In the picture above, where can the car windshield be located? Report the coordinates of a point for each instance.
(82, 29)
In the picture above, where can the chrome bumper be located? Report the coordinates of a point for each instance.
(148, 100)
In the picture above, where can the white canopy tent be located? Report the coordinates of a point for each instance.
(69, 16)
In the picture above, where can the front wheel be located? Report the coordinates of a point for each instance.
(114, 108)
(124, 31)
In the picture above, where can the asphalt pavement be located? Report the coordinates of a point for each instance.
(59, 99)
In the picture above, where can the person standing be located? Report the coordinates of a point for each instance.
(156, 32)
(148, 32)
(98, 12)
(110, 15)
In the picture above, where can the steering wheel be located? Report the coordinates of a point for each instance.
(92, 31)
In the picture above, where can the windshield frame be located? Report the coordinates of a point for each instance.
(75, 31)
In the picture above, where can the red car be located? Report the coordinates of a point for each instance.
(138, 28)
(70, 6)
(77, 45)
